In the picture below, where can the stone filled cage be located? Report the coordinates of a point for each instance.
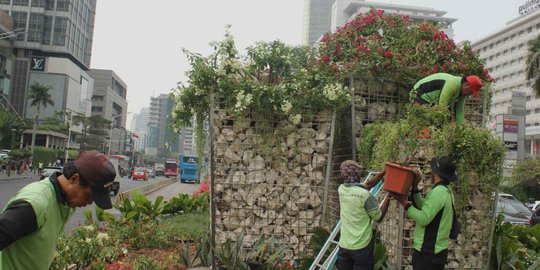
(281, 184)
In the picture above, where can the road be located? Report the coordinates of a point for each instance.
(8, 189)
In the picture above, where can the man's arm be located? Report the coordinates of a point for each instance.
(433, 203)
(460, 111)
(17, 221)
(373, 181)
(384, 207)
(372, 208)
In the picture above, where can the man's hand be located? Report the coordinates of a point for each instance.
(402, 199)
(416, 179)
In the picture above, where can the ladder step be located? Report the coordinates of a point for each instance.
(334, 242)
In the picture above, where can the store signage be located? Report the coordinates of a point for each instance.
(38, 63)
(529, 6)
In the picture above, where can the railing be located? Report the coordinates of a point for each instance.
(146, 189)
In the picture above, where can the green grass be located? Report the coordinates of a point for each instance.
(190, 226)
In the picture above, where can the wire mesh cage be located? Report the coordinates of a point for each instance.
(269, 177)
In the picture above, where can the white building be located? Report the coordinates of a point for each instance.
(505, 52)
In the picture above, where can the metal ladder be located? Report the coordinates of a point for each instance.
(331, 260)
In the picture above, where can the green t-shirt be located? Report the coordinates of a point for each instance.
(441, 89)
(36, 250)
(358, 208)
(433, 216)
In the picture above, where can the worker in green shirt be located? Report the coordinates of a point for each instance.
(433, 216)
(358, 209)
(446, 90)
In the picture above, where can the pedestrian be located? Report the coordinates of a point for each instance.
(34, 219)
(40, 167)
(434, 216)
(358, 208)
(446, 90)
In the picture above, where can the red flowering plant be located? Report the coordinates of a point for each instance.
(390, 46)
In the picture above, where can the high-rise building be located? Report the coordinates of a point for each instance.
(52, 47)
(317, 14)
(161, 140)
(321, 16)
(505, 52)
(139, 125)
(109, 101)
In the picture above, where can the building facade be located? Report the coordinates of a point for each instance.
(52, 46)
(505, 53)
(109, 101)
(316, 20)
(160, 139)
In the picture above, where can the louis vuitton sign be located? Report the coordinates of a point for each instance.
(37, 63)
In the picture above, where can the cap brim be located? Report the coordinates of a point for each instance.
(103, 200)
(475, 91)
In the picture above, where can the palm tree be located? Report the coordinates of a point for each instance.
(38, 96)
(533, 65)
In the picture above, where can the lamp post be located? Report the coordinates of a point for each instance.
(12, 137)
(66, 156)
(110, 133)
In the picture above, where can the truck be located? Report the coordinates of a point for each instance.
(116, 183)
(159, 169)
(171, 167)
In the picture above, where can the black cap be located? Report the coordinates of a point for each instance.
(444, 167)
(99, 172)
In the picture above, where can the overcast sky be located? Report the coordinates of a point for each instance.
(142, 41)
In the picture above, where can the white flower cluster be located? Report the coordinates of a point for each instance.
(102, 237)
(89, 228)
(286, 106)
(242, 101)
(295, 119)
(333, 91)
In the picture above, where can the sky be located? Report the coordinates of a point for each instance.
(142, 41)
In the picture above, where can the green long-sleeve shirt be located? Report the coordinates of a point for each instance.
(433, 215)
(441, 89)
(357, 208)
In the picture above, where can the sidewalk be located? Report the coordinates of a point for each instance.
(15, 176)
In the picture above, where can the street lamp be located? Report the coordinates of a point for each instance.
(69, 132)
(112, 125)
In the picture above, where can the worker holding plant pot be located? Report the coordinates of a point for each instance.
(446, 90)
(358, 209)
(434, 216)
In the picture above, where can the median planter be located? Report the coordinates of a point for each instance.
(398, 178)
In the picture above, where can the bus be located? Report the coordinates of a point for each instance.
(189, 168)
(171, 167)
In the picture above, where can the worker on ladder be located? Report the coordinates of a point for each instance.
(358, 209)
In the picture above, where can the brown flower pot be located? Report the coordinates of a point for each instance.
(398, 178)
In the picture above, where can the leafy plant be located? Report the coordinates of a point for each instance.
(231, 255)
(507, 251)
(137, 206)
(267, 254)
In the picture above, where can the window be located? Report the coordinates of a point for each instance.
(537, 110)
(49, 5)
(97, 109)
(19, 21)
(528, 112)
(527, 125)
(60, 29)
(35, 27)
(38, 3)
(529, 98)
(97, 98)
(47, 30)
(529, 29)
(521, 45)
(62, 5)
(20, 2)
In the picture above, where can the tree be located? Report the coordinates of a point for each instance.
(95, 131)
(533, 65)
(38, 96)
(56, 123)
(11, 126)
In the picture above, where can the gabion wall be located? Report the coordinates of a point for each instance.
(269, 178)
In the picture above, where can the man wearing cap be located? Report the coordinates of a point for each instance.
(433, 216)
(446, 90)
(358, 208)
(34, 219)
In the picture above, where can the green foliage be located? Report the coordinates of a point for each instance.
(20, 153)
(193, 225)
(10, 121)
(380, 255)
(138, 207)
(47, 155)
(526, 178)
(515, 247)
(267, 254)
(184, 203)
(230, 255)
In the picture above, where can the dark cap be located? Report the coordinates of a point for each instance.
(99, 173)
(444, 167)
